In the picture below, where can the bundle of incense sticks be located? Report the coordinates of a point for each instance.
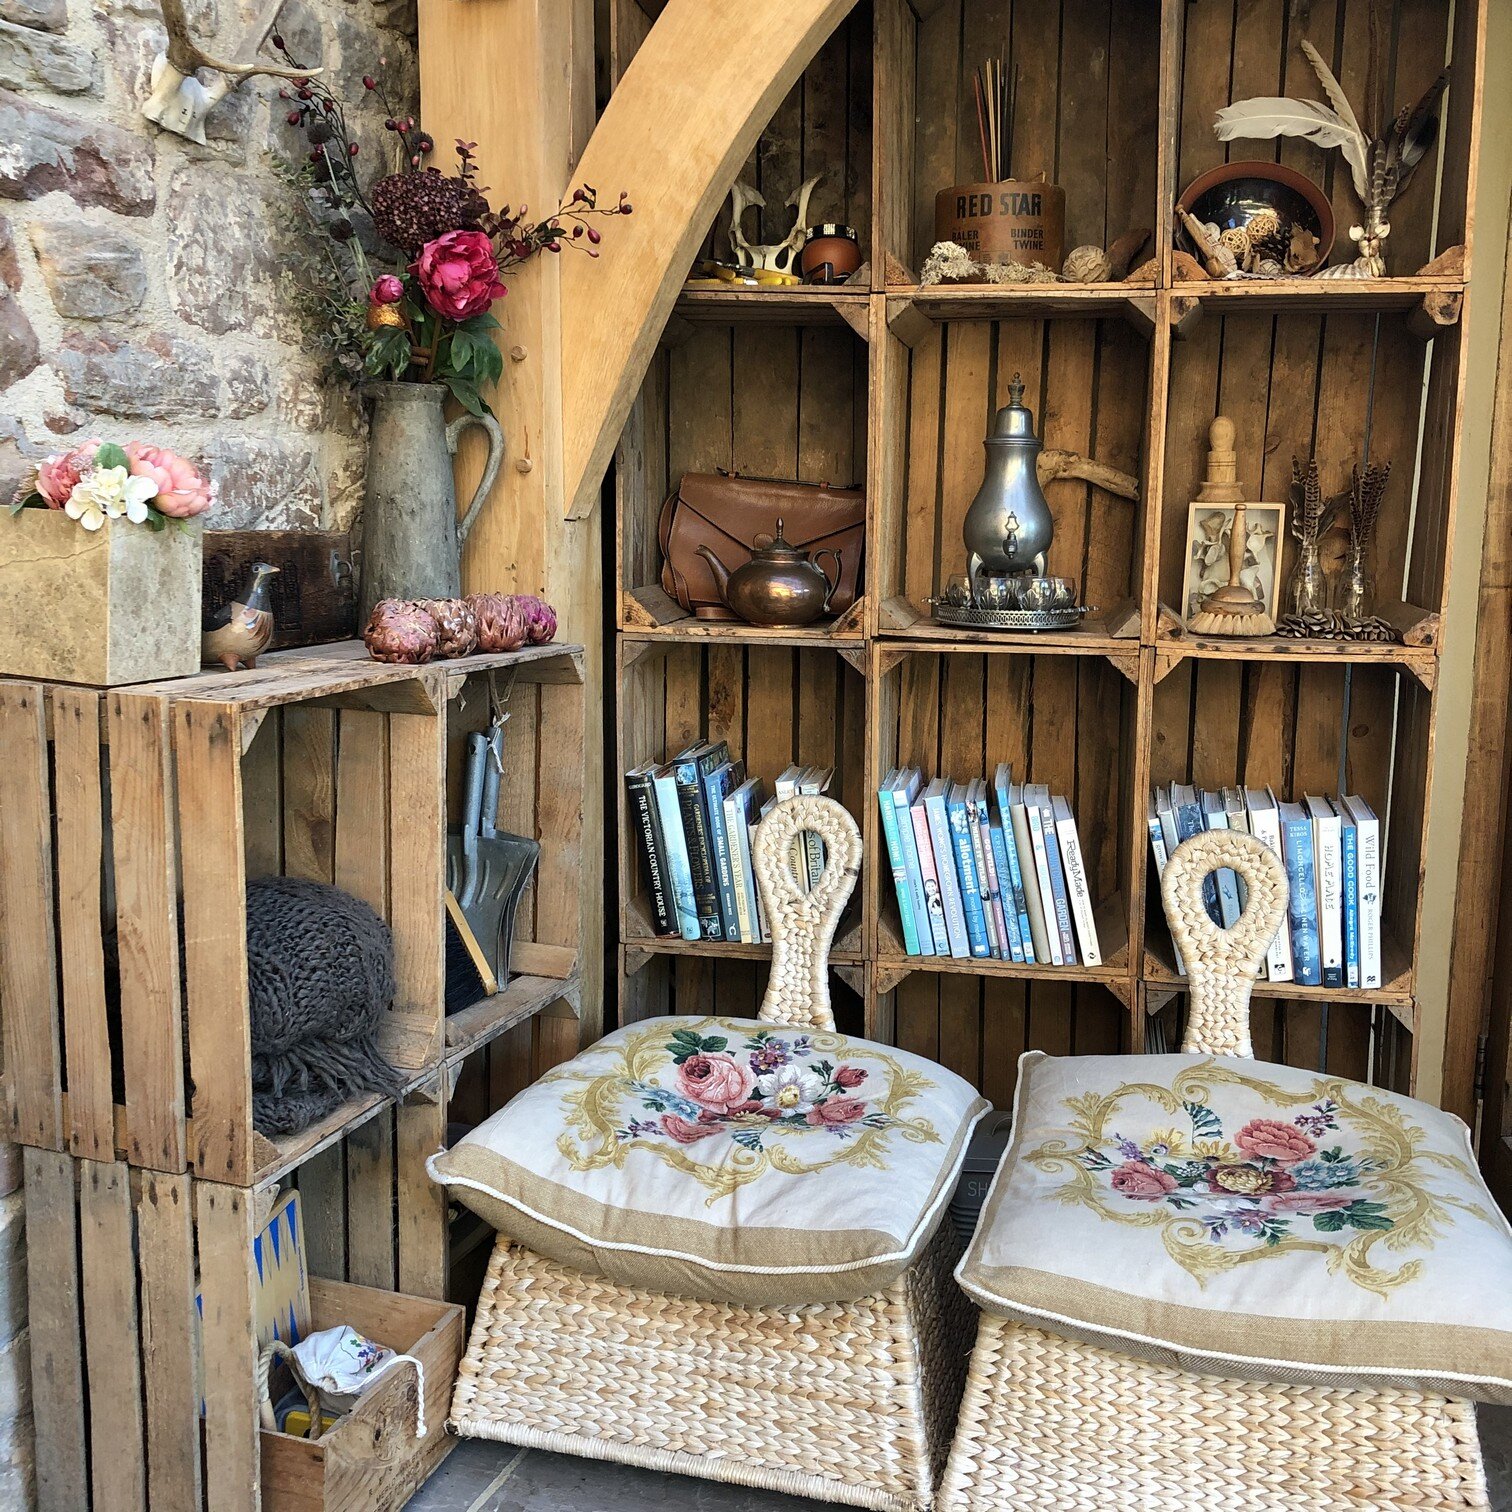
(995, 99)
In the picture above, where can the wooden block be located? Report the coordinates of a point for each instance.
(421, 1129)
(143, 824)
(28, 962)
(77, 805)
(117, 1441)
(57, 1349)
(165, 1260)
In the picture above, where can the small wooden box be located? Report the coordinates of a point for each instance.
(104, 607)
(371, 1460)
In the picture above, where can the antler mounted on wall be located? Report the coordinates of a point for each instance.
(179, 102)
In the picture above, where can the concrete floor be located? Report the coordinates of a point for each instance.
(484, 1477)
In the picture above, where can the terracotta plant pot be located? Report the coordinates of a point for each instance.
(105, 607)
(1231, 193)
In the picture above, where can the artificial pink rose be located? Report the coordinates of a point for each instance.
(836, 1111)
(686, 1133)
(386, 290)
(717, 1081)
(1134, 1178)
(1268, 1139)
(458, 274)
(849, 1077)
(182, 492)
(57, 477)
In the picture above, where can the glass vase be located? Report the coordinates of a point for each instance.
(1307, 585)
(1355, 595)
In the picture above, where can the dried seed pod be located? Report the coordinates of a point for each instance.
(501, 621)
(401, 631)
(457, 624)
(1087, 264)
(540, 619)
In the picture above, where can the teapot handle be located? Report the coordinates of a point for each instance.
(830, 586)
(490, 468)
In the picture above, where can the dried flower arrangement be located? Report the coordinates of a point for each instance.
(413, 263)
(98, 481)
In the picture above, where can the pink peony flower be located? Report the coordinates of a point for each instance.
(834, 1112)
(849, 1077)
(57, 477)
(686, 1133)
(1134, 1178)
(459, 274)
(386, 290)
(1268, 1139)
(182, 492)
(717, 1081)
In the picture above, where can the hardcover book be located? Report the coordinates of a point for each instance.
(1328, 858)
(903, 796)
(934, 897)
(645, 822)
(1368, 828)
(1037, 895)
(1350, 838)
(1062, 899)
(1297, 848)
(966, 872)
(999, 843)
(737, 807)
(981, 853)
(812, 781)
(894, 842)
(1265, 826)
(936, 801)
(1186, 807)
(1215, 817)
(1002, 784)
(690, 774)
(1077, 888)
(669, 807)
(727, 776)
(1161, 856)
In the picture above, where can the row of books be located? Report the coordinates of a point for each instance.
(992, 875)
(694, 816)
(1331, 848)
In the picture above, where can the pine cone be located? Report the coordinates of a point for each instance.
(411, 209)
(401, 631)
(501, 621)
(457, 624)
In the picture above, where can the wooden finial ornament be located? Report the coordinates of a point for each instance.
(1232, 609)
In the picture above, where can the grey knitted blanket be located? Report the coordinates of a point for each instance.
(320, 966)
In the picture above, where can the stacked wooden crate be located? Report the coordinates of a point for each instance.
(133, 820)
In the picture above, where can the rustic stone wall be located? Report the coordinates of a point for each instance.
(141, 297)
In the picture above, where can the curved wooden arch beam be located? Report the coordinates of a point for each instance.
(684, 117)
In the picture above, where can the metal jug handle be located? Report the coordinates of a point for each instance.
(490, 468)
(830, 587)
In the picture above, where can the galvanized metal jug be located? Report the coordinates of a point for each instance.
(411, 538)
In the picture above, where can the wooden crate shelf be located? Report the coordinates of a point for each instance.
(1128, 374)
(792, 306)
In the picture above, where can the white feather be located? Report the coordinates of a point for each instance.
(1273, 116)
(1357, 152)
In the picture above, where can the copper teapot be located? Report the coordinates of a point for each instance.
(780, 585)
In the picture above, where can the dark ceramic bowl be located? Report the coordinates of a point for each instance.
(1233, 192)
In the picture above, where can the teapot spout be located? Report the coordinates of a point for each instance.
(721, 576)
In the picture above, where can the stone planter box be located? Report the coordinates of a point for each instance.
(105, 607)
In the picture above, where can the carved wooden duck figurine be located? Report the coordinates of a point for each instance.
(238, 633)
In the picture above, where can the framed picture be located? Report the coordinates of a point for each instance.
(1207, 553)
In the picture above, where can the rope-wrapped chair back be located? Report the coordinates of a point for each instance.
(1222, 964)
(803, 924)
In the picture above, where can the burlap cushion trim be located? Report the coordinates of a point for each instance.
(1415, 1182)
(754, 1267)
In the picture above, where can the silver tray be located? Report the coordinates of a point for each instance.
(967, 618)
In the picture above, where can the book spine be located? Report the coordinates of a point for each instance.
(950, 888)
(700, 857)
(740, 865)
(1351, 851)
(1016, 879)
(669, 808)
(1046, 887)
(1189, 823)
(971, 895)
(909, 842)
(813, 854)
(1265, 824)
(1007, 918)
(1161, 855)
(1330, 878)
(899, 871)
(934, 898)
(1080, 893)
(1058, 887)
(1370, 902)
(1039, 935)
(763, 929)
(1228, 884)
(644, 820)
(724, 871)
(991, 904)
(1298, 843)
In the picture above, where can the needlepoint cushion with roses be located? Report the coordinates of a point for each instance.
(1244, 1219)
(724, 1159)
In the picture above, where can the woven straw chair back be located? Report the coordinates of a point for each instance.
(1222, 964)
(803, 924)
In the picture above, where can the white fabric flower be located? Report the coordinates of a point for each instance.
(110, 493)
(790, 1089)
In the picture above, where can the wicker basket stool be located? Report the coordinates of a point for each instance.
(1071, 1424)
(852, 1402)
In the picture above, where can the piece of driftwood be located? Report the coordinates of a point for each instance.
(1055, 466)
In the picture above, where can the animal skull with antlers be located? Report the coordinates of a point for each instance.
(178, 101)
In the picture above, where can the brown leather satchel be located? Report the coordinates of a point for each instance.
(727, 512)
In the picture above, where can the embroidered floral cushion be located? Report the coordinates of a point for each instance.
(724, 1159)
(1239, 1218)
